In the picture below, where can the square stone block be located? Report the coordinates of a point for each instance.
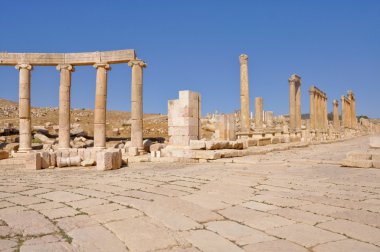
(104, 161)
(33, 161)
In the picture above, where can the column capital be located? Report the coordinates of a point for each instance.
(335, 102)
(243, 58)
(24, 66)
(294, 78)
(140, 63)
(102, 65)
(66, 67)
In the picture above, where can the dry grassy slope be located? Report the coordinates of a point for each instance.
(155, 125)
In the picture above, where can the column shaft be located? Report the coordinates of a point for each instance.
(137, 104)
(312, 110)
(298, 107)
(64, 105)
(259, 112)
(244, 94)
(100, 105)
(24, 108)
(292, 106)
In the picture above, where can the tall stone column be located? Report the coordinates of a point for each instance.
(258, 112)
(64, 105)
(294, 102)
(312, 109)
(336, 114)
(100, 105)
(325, 113)
(24, 108)
(298, 106)
(244, 94)
(137, 104)
(343, 112)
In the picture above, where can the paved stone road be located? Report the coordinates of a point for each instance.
(295, 200)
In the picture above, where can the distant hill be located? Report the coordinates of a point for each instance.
(7, 103)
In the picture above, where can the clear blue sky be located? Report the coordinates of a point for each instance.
(333, 44)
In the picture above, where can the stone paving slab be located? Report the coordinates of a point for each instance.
(292, 200)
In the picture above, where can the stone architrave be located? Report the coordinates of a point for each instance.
(295, 102)
(100, 105)
(258, 113)
(137, 104)
(24, 107)
(184, 118)
(64, 105)
(336, 114)
(244, 94)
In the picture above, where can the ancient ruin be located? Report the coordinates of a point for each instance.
(318, 109)
(295, 103)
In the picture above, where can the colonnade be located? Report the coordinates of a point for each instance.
(318, 109)
(65, 65)
(295, 102)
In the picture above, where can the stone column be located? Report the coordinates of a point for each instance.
(100, 105)
(294, 102)
(343, 112)
(298, 106)
(137, 104)
(64, 105)
(325, 114)
(258, 113)
(244, 94)
(336, 114)
(312, 109)
(24, 108)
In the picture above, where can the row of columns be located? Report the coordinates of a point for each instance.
(295, 102)
(64, 105)
(318, 109)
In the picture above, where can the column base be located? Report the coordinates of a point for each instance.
(24, 150)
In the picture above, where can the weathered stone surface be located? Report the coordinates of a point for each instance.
(374, 142)
(33, 161)
(135, 232)
(358, 155)
(360, 163)
(95, 238)
(305, 235)
(346, 246)
(197, 144)
(275, 246)
(209, 241)
(355, 230)
(28, 223)
(241, 234)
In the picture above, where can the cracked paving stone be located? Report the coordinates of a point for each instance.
(346, 246)
(305, 235)
(62, 196)
(275, 246)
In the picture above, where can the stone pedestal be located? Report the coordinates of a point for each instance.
(100, 105)
(64, 105)
(184, 118)
(24, 107)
